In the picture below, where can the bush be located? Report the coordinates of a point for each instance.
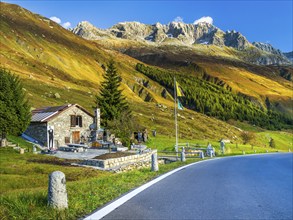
(272, 143)
(247, 136)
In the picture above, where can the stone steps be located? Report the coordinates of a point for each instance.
(10, 144)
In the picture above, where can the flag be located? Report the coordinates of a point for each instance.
(179, 90)
(180, 106)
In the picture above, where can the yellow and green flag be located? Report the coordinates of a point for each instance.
(179, 90)
(179, 93)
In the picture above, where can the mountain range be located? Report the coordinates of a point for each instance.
(60, 66)
(179, 33)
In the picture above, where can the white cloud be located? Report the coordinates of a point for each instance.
(55, 19)
(178, 19)
(206, 19)
(66, 25)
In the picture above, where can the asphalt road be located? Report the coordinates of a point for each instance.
(248, 187)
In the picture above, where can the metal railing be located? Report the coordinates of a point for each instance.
(175, 156)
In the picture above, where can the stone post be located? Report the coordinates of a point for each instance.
(201, 155)
(97, 119)
(243, 152)
(155, 166)
(183, 159)
(34, 149)
(21, 151)
(57, 194)
(3, 142)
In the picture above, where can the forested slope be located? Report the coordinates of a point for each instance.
(215, 100)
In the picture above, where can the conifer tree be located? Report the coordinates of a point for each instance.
(15, 112)
(111, 101)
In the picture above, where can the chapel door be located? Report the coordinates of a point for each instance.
(76, 137)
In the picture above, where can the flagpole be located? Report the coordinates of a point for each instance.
(175, 113)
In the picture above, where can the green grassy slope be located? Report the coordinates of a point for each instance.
(51, 60)
(222, 65)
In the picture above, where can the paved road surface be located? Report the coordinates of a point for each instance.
(248, 187)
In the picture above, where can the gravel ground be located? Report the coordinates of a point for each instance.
(89, 154)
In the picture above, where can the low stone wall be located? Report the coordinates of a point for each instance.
(122, 161)
(131, 166)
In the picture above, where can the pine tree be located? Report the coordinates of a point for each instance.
(15, 112)
(111, 101)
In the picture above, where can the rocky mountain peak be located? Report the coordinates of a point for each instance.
(271, 55)
(181, 31)
(236, 40)
(267, 47)
(85, 26)
(88, 31)
(201, 33)
(186, 34)
(158, 25)
(130, 30)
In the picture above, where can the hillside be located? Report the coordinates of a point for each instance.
(218, 65)
(57, 67)
(228, 64)
(52, 60)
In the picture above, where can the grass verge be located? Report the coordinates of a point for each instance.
(24, 182)
(24, 178)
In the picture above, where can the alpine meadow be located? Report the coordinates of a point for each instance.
(115, 90)
(51, 60)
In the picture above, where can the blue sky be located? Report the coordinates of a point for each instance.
(263, 21)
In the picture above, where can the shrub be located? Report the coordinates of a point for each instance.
(247, 136)
(272, 143)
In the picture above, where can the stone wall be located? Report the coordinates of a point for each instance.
(38, 131)
(121, 162)
(62, 125)
(134, 166)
